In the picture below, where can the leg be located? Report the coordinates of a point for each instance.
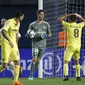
(3, 66)
(16, 71)
(77, 65)
(20, 71)
(66, 70)
(15, 58)
(5, 56)
(35, 52)
(40, 55)
(11, 67)
(36, 64)
(32, 68)
(77, 70)
(67, 57)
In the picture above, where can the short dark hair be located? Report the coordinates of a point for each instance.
(40, 11)
(4, 18)
(18, 14)
(72, 18)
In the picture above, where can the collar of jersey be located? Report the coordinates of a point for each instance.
(14, 21)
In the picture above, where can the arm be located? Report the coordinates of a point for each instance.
(28, 31)
(7, 37)
(49, 34)
(80, 17)
(18, 36)
(49, 31)
(60, 19)
(4, 32)
(28, 34)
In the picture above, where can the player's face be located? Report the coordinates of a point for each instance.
(41, 16)
(21, 18)
(3, 21)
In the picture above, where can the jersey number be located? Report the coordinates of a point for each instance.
(76, 33)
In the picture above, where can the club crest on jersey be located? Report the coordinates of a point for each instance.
(36, 27)
(44, 27)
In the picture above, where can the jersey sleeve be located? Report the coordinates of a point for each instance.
(18, 28)
(82, 24)
(0, 33)
(7, 25)
(29, 28)
(48, 28)
(65, 24)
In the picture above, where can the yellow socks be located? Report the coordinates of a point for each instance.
(77, 70)
(1, 68)
(66, 69)
(16, 73)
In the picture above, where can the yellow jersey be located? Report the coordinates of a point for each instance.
(11, 29)
(74, 31)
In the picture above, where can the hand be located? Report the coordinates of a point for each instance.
(11, 44)
(78, 15)
(43, 35)
(50, 35)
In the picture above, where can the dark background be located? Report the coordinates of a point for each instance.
(52, 9)
(29, 7)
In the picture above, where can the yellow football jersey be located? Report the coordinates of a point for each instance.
(11, 29)
(74, 31)
(0, 36)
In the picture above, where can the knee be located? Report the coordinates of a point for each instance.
(35, 60)
(5, 65)
(76, 62)
(16, 62)
(38, 60)
(65, 62)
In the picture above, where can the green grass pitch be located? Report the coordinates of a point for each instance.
(46, 81)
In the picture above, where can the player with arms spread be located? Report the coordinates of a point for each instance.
(74, 31)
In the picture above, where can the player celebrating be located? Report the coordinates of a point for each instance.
(74, 31)
(41, 30)
(9, 44)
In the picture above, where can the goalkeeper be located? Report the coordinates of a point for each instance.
(38, 30)
(74, 31)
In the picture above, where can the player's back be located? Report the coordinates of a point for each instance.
(74, 31)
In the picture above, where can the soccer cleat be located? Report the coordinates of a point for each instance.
(17, 83)
(66, 78)
(30, 78)
(78, 78)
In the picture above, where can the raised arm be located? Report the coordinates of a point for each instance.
(80, 17)
(60, 19)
